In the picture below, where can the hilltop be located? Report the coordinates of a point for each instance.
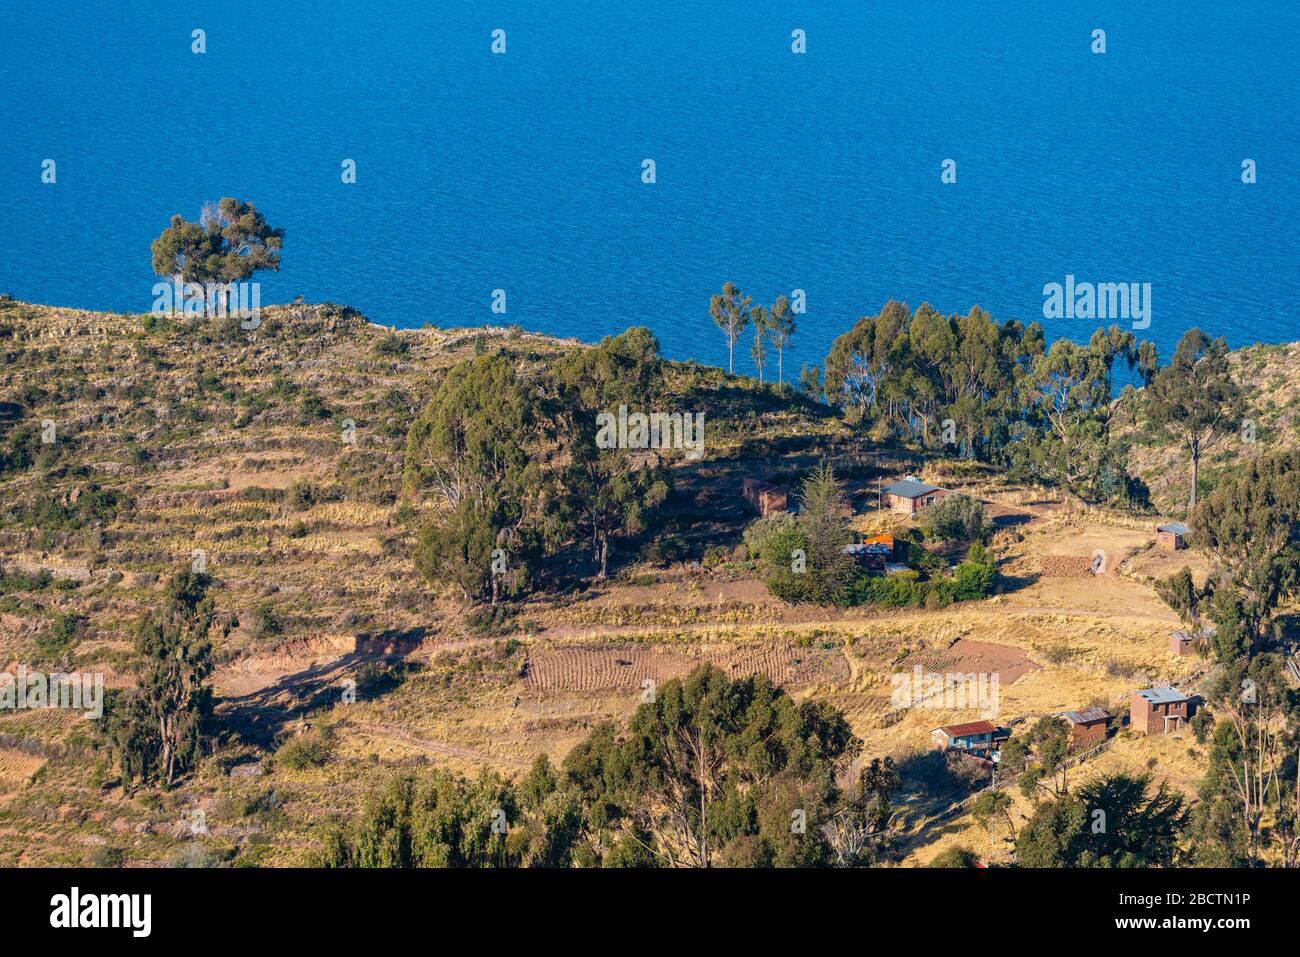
(274, 459)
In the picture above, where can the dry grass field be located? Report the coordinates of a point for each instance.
(223, 459)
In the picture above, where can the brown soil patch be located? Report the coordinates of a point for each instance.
(980, 657)
(1066, 566)
(252, 673)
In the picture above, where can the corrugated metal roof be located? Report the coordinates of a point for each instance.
(910, 488)
(1174, 528)
(962, 730)
(1163, 695)
(1086, 716)
(876, 551)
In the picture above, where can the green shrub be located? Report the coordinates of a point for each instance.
(392, 345)
(377, 677)
(940, 593)
(1202, 725)
(909, 549)
(668, 548)
(892, 591)
(94, 505)
(973, 581)
(315, 407)
(957, 517)
(310, 750)
(760, 530)
(956, 857)
(12, 581)
(61, 636)
(490, 620)
(265, 622)
(107, 856)
(194, 855)
(301, 496)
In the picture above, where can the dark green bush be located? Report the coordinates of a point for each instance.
(310, 750)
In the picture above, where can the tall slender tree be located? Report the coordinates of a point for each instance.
(824, 513)
(606, 492)
(1196, 399)
(158, 730)
(730, 311)
(780, 325)
(761, 319)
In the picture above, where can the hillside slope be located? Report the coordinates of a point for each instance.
(274, 459)
(1270, 379)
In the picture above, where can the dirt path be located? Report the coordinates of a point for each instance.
(1079, 612)
(1005, 610)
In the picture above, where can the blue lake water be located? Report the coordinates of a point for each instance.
(777, 171)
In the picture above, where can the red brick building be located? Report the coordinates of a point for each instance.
(910, 495)
(1160, 710)
(1087, 727)
(1172, 535)
(767, 498)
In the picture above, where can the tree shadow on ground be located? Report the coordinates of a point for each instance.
(931, 784)
(1010, 584)
(1011, 520)
(1286, 627)
(260, 718)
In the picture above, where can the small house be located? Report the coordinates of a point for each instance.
(767, 498)
(872, 562)
(880, 545)
(872, 553)
(1172, 535)
(1087, 727)
(975, 736)
(910, 495)
(1160, 710)
(1185, 642)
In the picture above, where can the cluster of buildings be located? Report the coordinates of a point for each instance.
(1151, 711)
(876, 553)
(909, 495)
(906, 496)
